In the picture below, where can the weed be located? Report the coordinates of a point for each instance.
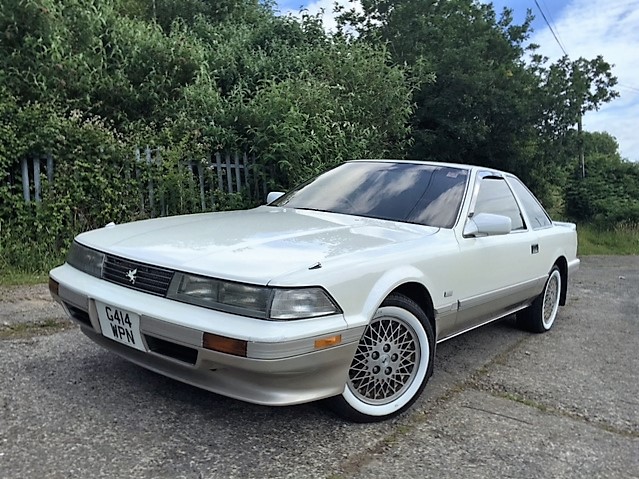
(621, 239)
(41, 328)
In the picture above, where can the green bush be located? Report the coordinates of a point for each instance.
(88, 81)
(607, 195)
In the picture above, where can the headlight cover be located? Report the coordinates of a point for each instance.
(217, 294)
(85, 259)
(255, 301)
(301, 303)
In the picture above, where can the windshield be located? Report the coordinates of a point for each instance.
(408, 192)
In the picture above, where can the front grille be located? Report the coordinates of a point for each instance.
(139, 276)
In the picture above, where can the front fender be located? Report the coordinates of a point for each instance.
(387, 283)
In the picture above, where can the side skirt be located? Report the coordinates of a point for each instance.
(501, 315)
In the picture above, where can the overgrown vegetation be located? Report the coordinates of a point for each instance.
(618, 239)
(88, 81)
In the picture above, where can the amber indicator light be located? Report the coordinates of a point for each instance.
(328, 342)
(223, 344)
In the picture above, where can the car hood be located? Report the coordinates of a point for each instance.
(253, 245)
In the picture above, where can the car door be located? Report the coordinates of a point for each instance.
(499, 270)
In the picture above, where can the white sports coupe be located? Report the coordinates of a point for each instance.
(340, 288)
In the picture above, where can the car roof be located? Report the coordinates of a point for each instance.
(435, 163)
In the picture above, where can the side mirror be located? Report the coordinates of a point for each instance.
(487, 224)
(272, 196)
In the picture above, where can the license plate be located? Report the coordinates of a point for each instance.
(120, 325)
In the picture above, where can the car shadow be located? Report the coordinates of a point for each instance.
(100, 378)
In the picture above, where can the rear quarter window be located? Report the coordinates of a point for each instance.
(537, 216)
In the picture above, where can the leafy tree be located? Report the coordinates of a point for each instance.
(480, 108)
(488, 104)
(571, 88)
(87, 81)
(609, 192)
(166, 12)
(318, 122)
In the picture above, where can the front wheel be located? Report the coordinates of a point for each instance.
(541, 314)
(392, 363)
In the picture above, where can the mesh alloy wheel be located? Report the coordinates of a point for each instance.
(385, 362)
(551, 299)
(391, 365)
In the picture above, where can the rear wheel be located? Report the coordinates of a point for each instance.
(541, 314)
(392, 364)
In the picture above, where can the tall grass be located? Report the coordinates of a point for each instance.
(24, 261)
(622, 239)
(10, 276)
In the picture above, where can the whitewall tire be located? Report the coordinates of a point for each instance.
(392, 364)
(540, 316)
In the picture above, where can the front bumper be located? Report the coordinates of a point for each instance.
(282, 366)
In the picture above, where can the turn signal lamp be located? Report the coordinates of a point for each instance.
(328, 342)
(223, 344)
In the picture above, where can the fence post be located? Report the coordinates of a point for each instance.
(209, 173)
(256, 190)
(246, 172)
(25, 180)
(50, 169)
(218, 170)
(138, 160)
(158, 161)
(265, 179)
(229, 179)
(149, 168)
(36, 180)
(238, 181)
(200, 173)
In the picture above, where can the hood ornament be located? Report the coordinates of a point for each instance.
(131, 275)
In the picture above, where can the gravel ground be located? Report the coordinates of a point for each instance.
(501, 403)
(27, 305)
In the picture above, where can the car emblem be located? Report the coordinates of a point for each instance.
(131, 275)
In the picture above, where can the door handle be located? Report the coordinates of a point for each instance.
(534, 249)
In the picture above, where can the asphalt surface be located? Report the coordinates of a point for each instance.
(501, 403)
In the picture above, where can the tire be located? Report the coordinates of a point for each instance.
(540, 316)
(392, 364)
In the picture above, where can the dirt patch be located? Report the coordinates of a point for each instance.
(29, 329)
(27, 305)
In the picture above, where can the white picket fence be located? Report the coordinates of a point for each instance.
(227, 172)
(35, 166)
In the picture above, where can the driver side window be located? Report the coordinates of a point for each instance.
(495, 197)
